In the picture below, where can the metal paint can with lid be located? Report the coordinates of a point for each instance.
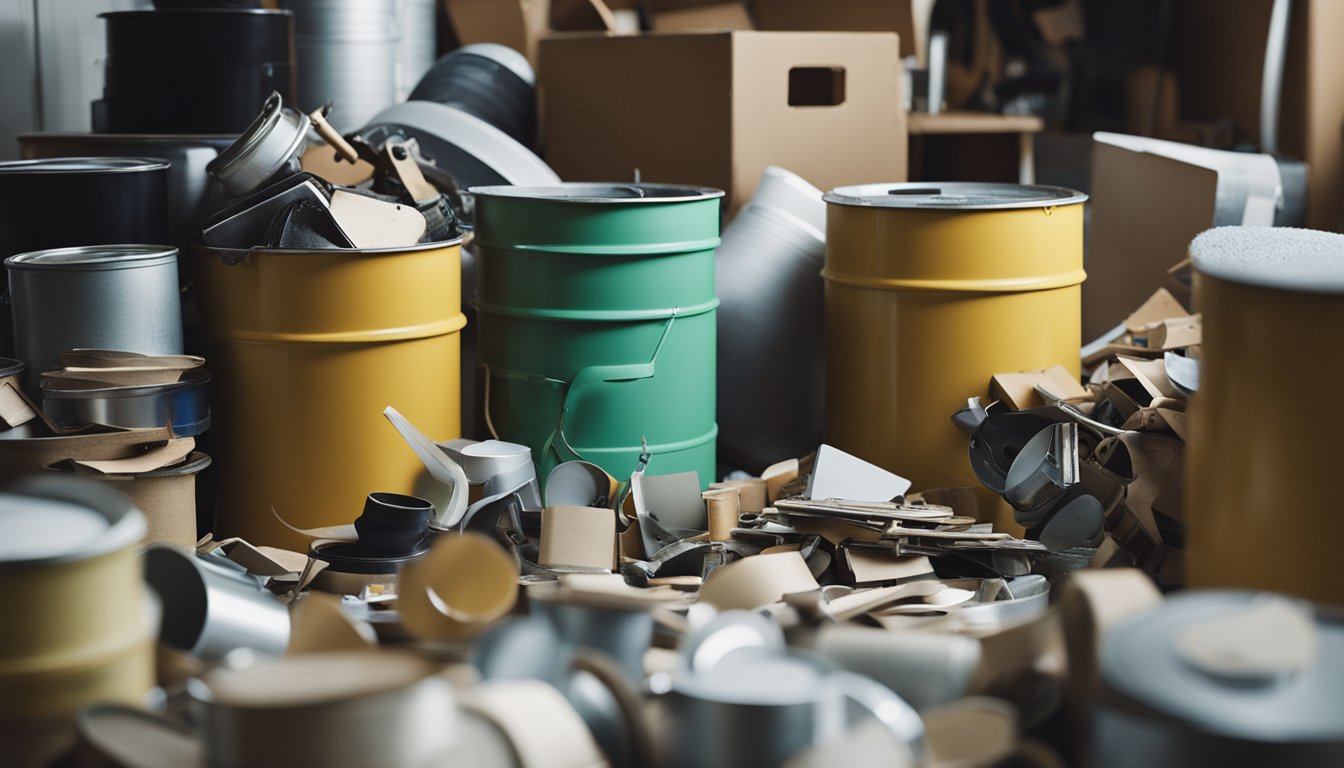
(1222, 677)
(931, 289)
(122, 297)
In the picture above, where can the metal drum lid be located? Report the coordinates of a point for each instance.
(1224, 687)
(584, 192)
(955, 195)
(1272, 257)
(87, 258)
(48, 521)
(84, 165)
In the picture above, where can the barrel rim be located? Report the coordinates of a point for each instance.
(164, 12)
(182, 140)
(126, 524)
(98, 258)
(52, 165)
(192, 379)
(10, 366)
(370, 563)
(557, 193)
(880, 196)
(198, 247)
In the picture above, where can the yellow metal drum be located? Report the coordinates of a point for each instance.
(931, 289)
(1266, 451)
(87, 631)
(307, 348)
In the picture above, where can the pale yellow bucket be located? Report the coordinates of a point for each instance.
(306, 349)
(1266, 450)
(86, 630)
(931, 289)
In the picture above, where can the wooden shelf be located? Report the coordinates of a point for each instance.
(973, 122)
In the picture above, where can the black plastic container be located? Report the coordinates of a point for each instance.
(198, 70)
(393, 523)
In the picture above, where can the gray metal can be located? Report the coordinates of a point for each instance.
(122, 297)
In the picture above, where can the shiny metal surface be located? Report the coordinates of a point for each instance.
(212, 606)
(122, 297)
(189, 186)
(1161, 710)
(184, 404)
(269, 144)
(954, 195)
(416, 21)
(347, 53)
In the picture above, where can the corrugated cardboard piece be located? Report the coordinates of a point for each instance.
(578, 537)
(1018, 390)
(714, 108)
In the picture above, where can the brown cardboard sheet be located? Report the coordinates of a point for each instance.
(578, 537)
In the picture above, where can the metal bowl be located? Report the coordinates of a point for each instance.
(184, 404)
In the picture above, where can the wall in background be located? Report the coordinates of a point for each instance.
(51, 52)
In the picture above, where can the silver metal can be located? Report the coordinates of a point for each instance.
(122, 297)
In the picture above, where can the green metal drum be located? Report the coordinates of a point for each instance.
(597, 322)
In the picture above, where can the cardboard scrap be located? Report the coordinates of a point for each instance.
(154, 458)
(318, 624)
(578, 537)
(872, 566)
(15, 409)
(752, 582)
(1157, 308)
(1018, 390)
(283, 570)
(1150, 374)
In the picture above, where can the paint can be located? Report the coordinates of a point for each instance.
(193, 70)
(931, 289)
(597, 322)
(306, 349)
(122, 297)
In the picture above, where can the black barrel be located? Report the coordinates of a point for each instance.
(488, 81)
(72, 201)
(201, 70)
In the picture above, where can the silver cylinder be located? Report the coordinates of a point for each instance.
(347, 53)
(416, 52)
(122, 297)
(212, 606)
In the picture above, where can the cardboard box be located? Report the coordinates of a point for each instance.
(1149, 200)
(1219, 54)
(681, 15)
(520, 24)
(714, 109)
(897, 16)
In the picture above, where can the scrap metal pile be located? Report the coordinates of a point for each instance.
(1097, 473)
